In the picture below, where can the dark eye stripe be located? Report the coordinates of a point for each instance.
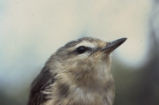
(82, 49)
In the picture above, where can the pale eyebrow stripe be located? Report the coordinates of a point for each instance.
(85, 43)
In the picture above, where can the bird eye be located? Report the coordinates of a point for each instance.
(82, 49)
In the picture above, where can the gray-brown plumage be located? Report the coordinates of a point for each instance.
(77, 74)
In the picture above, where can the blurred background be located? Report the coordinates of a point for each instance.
(32, 30)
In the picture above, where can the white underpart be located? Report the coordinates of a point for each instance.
(83, 95)
(102, 71)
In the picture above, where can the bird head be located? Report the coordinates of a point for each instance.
(85, 60)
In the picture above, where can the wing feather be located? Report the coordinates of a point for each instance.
(41, 82)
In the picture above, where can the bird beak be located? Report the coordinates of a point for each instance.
(111, 46)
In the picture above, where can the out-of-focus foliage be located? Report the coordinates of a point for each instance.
(20, 98)
(141, 86)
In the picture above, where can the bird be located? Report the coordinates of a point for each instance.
(78, 73)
